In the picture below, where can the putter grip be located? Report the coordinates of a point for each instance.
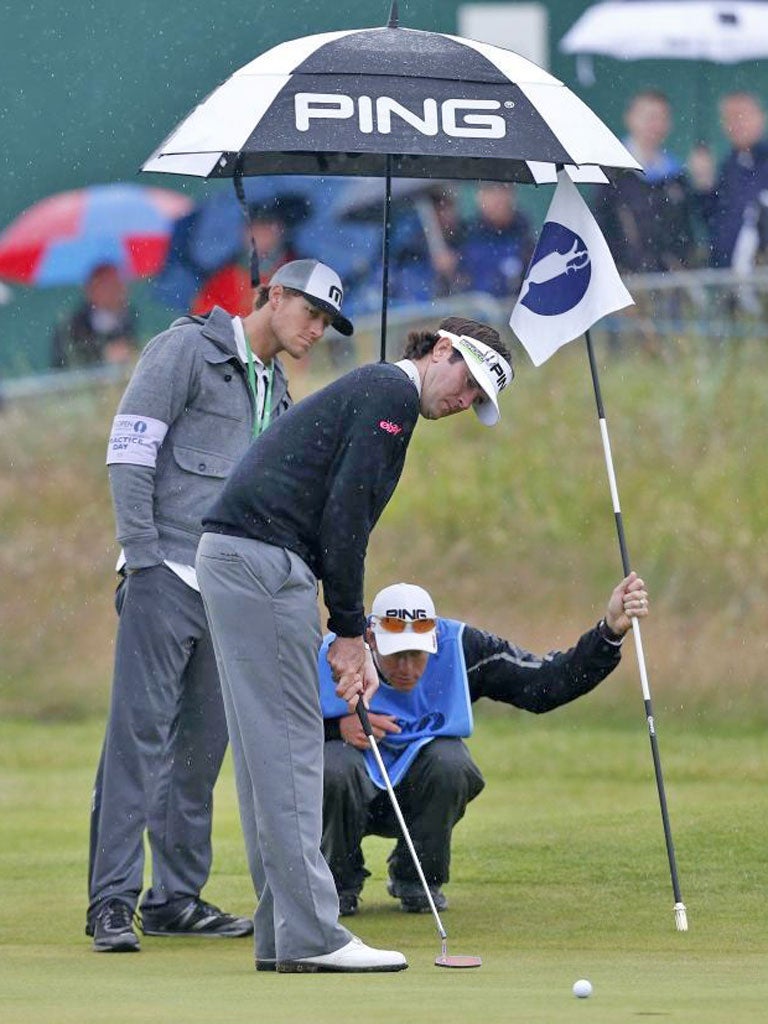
(362, 714)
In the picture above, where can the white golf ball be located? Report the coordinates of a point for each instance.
(582, 988)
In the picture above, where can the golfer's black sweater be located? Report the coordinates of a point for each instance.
(317, 481)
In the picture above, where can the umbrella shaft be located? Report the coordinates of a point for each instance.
(385, 257)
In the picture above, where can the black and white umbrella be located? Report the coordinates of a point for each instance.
(391, 102)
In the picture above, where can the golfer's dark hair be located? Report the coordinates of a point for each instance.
(420, 343)
(261, 295)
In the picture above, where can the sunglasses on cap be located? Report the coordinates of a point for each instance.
(389, 624)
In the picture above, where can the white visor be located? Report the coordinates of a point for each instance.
(490, 369)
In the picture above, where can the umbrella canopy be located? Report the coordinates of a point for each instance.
(722, 32)
(389, 100)
(59, 240)
(393, 103)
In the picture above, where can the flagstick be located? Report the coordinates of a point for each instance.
(385, 256)
(681, 919)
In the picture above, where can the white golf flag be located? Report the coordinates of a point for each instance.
(572, 280)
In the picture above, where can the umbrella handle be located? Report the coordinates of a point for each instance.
(237, 181)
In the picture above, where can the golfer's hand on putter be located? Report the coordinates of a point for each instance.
(353, 669)
(628, 601)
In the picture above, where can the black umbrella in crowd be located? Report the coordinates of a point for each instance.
(391, 102)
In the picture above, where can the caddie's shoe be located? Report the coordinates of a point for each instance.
(413, 899)
(348, 904)
(112, 928)
(354, 958)
(195, 918)
(266, 965)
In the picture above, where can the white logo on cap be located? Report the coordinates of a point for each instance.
(405, 614)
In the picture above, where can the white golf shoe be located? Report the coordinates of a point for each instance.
(355, 957)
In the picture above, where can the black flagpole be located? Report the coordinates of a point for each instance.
(681, 919)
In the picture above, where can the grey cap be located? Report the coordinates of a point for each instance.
(320, 284)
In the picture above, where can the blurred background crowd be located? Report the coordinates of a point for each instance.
(683, 213)
(689, 234)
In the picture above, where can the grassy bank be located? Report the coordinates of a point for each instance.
(511, 529)
(558, 872)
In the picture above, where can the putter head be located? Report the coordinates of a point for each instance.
(444, 960)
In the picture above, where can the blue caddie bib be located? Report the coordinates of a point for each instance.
(439, 704)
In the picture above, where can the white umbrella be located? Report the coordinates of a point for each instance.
(723, 31)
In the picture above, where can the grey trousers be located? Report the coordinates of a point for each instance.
(165, 740)
(261, 602)
(433, 796)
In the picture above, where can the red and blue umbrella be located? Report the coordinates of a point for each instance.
(61, 239)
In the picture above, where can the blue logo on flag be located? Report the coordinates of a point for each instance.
(560, 271)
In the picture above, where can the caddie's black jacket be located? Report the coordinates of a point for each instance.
(503, 671)
(317, 481)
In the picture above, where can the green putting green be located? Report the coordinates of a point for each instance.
(559, 872)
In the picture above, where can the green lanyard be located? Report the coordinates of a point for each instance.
(260, 420)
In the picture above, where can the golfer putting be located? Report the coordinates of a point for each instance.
(298, 508)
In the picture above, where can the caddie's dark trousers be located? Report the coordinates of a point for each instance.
(433, 796)
(164, 744)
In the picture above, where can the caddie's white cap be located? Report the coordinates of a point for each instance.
(409, 604)
(320, 284)
(489, 368)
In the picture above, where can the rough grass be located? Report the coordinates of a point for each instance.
(559, 872)
(511, 529)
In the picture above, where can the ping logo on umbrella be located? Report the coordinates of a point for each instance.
(560, 272)
(457, 118)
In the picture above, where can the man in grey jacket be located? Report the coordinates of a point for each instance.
(199, 394)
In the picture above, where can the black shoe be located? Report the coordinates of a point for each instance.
(112, 928)
(195, 918)
(413, 899)
(348, 903)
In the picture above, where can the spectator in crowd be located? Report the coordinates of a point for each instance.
(730, 199)
(647, 218)
(426, 233)
(497, 246)
(270, 232)
(102, 329)
(431, 671)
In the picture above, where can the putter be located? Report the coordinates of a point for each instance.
(444, 960)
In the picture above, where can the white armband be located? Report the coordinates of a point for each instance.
(135, 440)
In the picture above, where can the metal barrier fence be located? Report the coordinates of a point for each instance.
(695, 305)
